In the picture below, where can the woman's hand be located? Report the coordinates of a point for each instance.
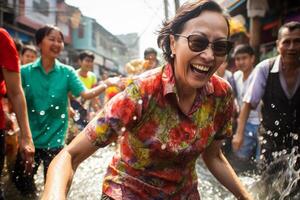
(27, 150)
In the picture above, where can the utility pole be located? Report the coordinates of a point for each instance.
(166, 5)
(176, 2)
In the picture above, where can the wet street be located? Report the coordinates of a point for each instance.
(87, 182)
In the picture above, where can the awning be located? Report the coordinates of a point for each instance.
(230, 5)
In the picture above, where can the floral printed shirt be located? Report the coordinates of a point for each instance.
(159, 144)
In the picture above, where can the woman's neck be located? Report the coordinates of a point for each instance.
(47, 63)
(186, 96)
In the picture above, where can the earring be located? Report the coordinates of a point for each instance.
(172, 55)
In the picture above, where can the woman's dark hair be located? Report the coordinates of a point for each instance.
(44, 31)
(187, 11)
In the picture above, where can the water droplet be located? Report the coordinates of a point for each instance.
(26, 162)
(48, 128)
(272, 106)
(32, 110)
(264, 141)
(269, 132)
(295, 137)
(276, 122)
(284, 151)
(63, 116)
(42, 112)
(263, 150)
(77, 116)
(123, 129)
(275, 134)
(27, 85)
(68, 76)
(56, 107)
(250, 134)
(58, 140)
(134, 117)
(51, 105)
(140, 101)
(52, 95)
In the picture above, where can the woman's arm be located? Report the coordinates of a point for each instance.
(95, 91)
(221, 169)
(238, 138)
(64, 165)
(17, 98)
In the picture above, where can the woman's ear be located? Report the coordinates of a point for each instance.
(172, 44)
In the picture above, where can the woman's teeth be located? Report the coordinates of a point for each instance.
(201, 68)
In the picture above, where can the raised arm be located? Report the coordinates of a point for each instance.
(221, 169)
(95, 91)
(238, 138)
(64, 165)
(16, 96)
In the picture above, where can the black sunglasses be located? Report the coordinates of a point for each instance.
(198, 43)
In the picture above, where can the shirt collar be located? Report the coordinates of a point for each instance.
(169, 86)
(277, 65)
(38, 64)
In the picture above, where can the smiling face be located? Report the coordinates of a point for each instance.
(28, 56)
(288, 45)
(52, 44)
(194, 69)
(86, 64)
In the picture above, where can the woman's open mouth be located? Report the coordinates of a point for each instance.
(199, 68)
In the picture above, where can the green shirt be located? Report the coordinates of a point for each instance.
(47, 101)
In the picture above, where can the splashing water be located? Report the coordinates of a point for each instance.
(281, 178)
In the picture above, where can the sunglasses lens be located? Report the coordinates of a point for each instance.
(221, 48)
(197, 43)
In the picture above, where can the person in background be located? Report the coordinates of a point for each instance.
(138, 66)
(46, 84)
(276, 82)
(164, 119)
(83, 110)
(248, 151)
(88, 78)
(28, 54)
(10, 83)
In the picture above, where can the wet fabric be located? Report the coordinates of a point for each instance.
(9, 60)
(47, 101)
(159, 144)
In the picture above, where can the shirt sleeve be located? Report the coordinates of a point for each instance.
(9, 58)
(257, 84)
(118, 116)
(75, 85)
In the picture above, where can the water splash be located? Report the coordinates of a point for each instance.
(281, 178)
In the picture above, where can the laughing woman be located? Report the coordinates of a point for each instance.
(165, 119)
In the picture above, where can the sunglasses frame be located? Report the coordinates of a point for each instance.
(228, 43)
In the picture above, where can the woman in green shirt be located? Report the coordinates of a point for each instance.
(47, 83)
